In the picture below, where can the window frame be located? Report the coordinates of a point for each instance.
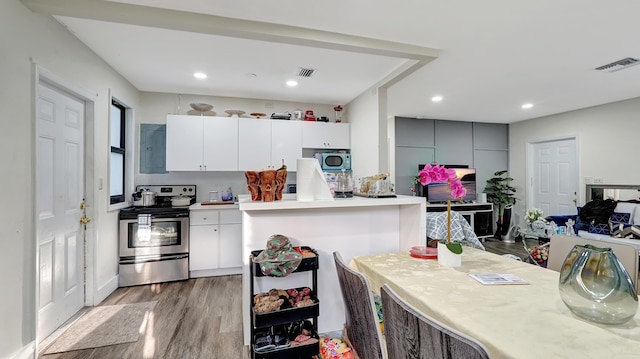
(122, 150)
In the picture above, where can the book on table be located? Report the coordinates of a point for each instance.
(497, 278)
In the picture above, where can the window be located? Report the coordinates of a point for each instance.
(117, 135)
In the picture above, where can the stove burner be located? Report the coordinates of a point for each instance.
(162, 208)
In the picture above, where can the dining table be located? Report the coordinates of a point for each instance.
(512, 321)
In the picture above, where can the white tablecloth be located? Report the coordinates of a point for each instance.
(513, 321)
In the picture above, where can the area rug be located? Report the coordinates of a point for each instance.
(104, 325)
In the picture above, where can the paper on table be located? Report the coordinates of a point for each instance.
(497, 278)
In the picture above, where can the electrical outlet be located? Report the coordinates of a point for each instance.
(598, 180)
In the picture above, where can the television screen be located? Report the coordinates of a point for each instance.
(439, 191)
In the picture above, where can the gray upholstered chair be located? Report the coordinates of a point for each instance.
(361, 319)
(411, 334)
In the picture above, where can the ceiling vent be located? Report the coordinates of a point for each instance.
(619, 65)
(306, 72)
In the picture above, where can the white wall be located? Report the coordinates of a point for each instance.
(607, 140)
(27, 37)
(364, 117)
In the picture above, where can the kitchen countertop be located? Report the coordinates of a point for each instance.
(200, 207)
(289, 202)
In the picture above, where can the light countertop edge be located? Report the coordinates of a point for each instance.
(291, 203)
(200, 207)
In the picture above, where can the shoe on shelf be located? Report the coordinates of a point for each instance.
(280, 338)
(263, 342)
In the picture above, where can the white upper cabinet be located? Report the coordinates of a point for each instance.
(202, 143)
(286, 143)
(254, 146)
(209, 143)
(184, 143)
(325, 135)
(220, 144)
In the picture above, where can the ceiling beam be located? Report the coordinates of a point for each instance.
(223, 26)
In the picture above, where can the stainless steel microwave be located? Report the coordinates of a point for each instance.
(334, 161)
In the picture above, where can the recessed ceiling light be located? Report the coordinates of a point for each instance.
(292, 83)
(200, 75)
(527, 105)
(436, 98)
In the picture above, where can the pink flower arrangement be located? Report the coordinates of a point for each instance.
(437, 173)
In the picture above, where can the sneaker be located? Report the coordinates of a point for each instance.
(280, 337)
(263, 342)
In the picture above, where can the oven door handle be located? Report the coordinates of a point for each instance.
(152, 258)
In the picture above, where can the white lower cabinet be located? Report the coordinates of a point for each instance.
(215, 246)
(203, 250)
(230, 245)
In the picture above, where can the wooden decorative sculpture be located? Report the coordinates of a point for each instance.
(268, 185)
(253, 184)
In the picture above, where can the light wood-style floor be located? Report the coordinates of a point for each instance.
(197, 318)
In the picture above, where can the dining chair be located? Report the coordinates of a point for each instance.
(561, 245)
(412, 334)
(361, 318)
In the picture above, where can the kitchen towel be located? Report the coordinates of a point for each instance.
(311, 184)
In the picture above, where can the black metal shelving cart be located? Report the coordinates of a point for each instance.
(263, 321)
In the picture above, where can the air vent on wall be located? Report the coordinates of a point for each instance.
(619, 65)
(306, 72)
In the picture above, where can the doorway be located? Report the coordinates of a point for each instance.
(63, 117)
(553, 176)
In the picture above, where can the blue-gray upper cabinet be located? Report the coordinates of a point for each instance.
(413, 132)
(153, 148)
(454, 143)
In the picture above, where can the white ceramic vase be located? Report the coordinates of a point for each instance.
(448, 258)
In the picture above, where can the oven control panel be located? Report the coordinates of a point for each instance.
(170, 190)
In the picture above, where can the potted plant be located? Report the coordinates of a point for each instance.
(500, 192)
(449, 252)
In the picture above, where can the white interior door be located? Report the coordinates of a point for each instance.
(59, 193)
(554, 179)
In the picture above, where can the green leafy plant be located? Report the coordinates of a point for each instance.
(500, 192)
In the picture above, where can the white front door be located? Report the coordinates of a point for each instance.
(58, 198)
(554, 179)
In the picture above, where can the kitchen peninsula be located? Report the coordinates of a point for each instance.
(353, 226)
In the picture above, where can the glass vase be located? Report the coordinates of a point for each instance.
(595, 286)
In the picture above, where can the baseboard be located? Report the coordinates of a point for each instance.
(26, 352)
(104, 291)
(214, 272)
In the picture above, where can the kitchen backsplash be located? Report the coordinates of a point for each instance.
(205, 181)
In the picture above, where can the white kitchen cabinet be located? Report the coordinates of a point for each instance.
(254, 144)
(201, 143)
(220, 144)
(184, 143)
(203, 247)
(286, 143)
(325, 135)
(230, 245)
(215, 242)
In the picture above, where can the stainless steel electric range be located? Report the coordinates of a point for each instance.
(154, 240)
